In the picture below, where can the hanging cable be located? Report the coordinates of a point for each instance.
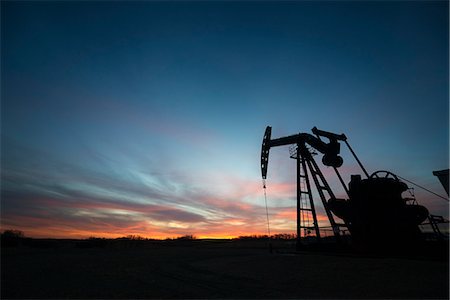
(267, 208)
(267, 215)
(446, 199)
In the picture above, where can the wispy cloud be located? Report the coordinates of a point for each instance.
(48, 197)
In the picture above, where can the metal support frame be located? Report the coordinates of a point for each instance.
(311, 200)
(306, 190)
(321, 186)
(306, 162)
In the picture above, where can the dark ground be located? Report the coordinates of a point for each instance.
(202, 269)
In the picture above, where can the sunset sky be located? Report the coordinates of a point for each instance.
(147, 117)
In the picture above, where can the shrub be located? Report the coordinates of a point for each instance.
(188, 237)
(11, 238)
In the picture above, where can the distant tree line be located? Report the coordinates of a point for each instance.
(278, 236)
(14, 238)
(11, 238)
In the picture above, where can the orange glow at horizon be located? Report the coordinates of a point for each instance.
(59, 233)
(230, 228)
(239, 213)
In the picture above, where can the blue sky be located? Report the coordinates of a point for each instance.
(147, 117)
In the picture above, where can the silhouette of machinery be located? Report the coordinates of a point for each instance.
(374, 212)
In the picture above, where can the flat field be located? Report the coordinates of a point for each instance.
(207, 269)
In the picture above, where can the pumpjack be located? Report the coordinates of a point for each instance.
(375, 211)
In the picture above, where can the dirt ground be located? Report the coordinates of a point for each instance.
(215, 270)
